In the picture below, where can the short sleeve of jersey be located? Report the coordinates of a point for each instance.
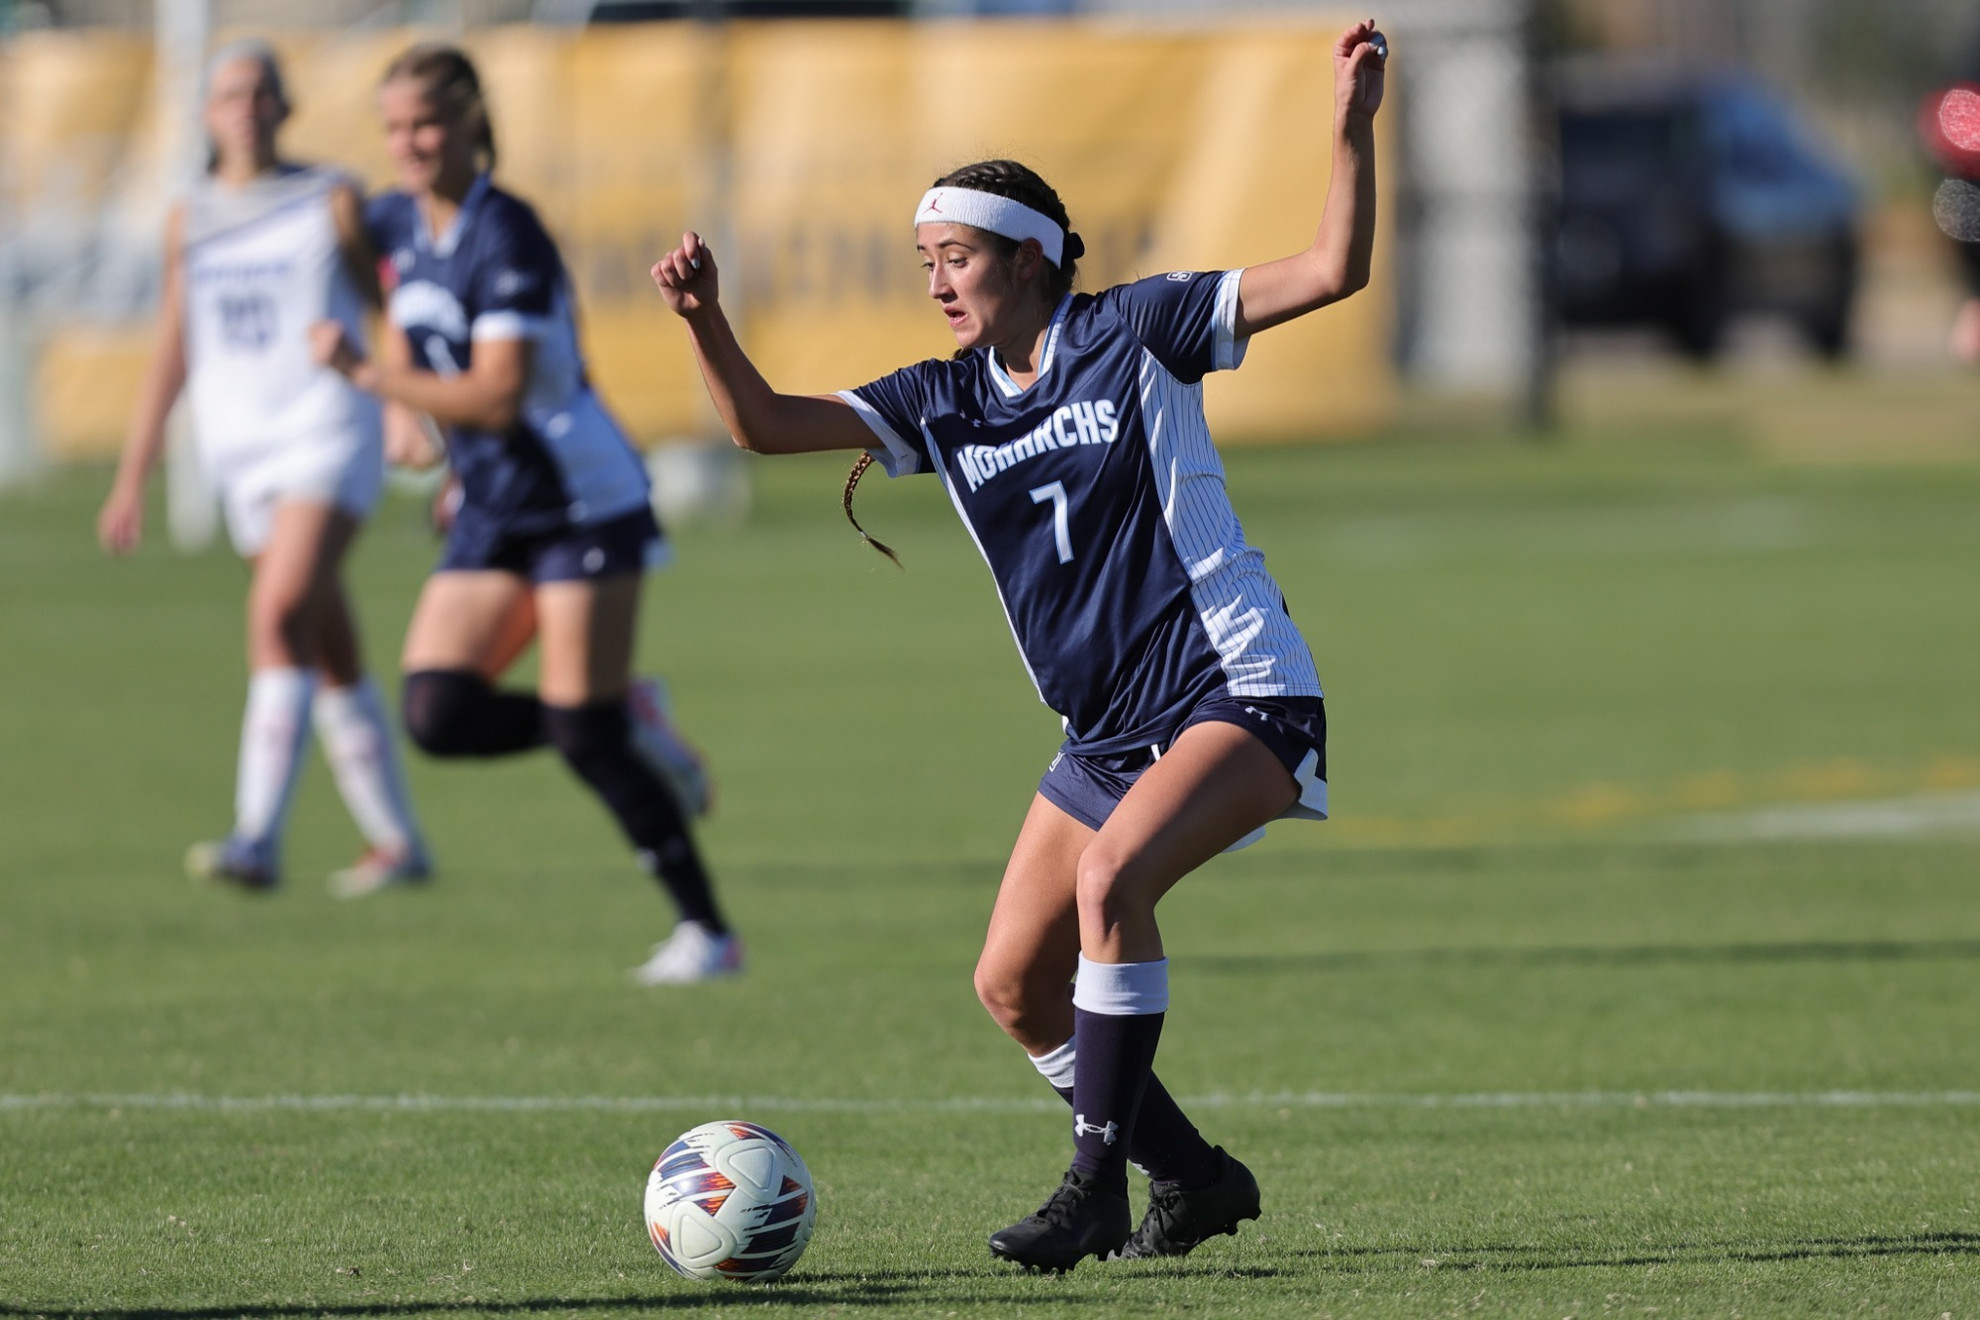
(893, 408)
(1187, 319)
(512, 286)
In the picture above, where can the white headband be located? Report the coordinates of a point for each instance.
(999, 215)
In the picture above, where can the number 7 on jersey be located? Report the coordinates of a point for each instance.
(1056, 492)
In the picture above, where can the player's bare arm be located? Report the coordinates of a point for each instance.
(488, 395)
(121, 523)
(758, 417)
(412, 440)
(360, 262)
(409, 438)
(1337, 264)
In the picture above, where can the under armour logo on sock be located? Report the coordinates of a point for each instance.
(1082, 1128)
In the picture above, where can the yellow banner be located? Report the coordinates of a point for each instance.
(799, 149)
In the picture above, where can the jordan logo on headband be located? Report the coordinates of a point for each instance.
(996, 214)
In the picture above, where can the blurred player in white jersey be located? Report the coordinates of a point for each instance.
(554, 529)
(1069, 435)
(257, 251)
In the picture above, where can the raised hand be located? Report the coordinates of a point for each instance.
(1361, 58)
(686, 277)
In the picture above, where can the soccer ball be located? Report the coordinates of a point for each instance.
(730, 1200)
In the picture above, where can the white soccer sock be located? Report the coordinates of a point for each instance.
(1055, 1066)
(274, 735)
(358, 743)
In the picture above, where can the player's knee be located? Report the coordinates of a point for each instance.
(440, 707)
(1104, 888)
(1019, 998)
(1097, 880)
(1000, 992)
(280, 631)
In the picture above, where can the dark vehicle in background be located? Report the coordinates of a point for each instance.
(1689, 200)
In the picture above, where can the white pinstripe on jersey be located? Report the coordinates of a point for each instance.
(1238, 603)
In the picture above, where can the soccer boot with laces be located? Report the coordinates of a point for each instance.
(233, 864)
(1179, 1218)
(1080, 1219)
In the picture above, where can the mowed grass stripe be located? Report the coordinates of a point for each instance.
(998, 1104)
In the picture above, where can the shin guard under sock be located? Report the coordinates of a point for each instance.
(596, 741)
(1164, 1144)
(274, 735)
(1117, 1023)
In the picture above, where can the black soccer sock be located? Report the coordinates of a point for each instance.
(1116, 1054)
(1164, 1144)
(456, 712)
(596, 741)
(1117, 1022)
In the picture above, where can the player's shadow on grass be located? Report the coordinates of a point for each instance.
(1594, 955)
(851, 1292)
(846, 1289)
(1516, 1258)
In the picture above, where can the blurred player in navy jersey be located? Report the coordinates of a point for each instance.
(257, 251)
(553, 531)
(1069, 433)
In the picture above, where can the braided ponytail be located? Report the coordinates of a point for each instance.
(859, 467)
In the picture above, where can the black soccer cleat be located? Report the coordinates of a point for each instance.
(1080, 1219)
(1180, 1218)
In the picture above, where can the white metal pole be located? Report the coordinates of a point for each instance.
(20, 449)
(183, 28)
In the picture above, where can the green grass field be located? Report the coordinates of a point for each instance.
(1636, 975)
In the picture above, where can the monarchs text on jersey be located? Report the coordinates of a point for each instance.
(495, 274)
(1098, 501)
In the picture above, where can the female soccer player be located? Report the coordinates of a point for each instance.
(1069, 433)
(553, 530)
(257, 251)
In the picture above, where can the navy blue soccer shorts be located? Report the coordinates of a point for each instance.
(620, 546)
(1294, 728)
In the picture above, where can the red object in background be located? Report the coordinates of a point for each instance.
(1949, 125)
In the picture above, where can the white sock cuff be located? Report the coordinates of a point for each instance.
(1122, 989)
(341, 703)
(1055, 1066)
(286, 683)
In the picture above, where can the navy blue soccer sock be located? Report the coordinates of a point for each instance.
(1164, 1144)
(596, 741)
(1117, 1022)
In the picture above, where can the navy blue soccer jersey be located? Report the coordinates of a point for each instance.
(1098, 501)
(495, 274)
